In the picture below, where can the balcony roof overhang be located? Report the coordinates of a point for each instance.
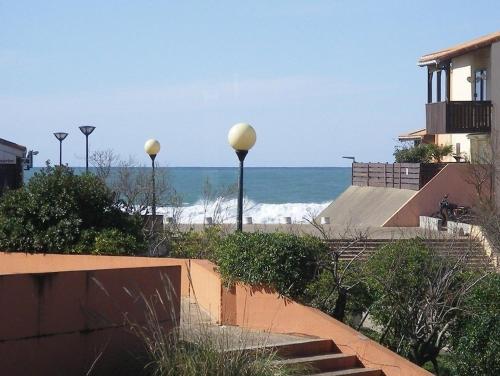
(441, 56)
(413, 136)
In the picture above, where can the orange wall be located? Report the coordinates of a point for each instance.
(265, 310)
(57, 323)
(451, 180)
(19, 263)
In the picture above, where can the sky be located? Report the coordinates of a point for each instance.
(316, 79)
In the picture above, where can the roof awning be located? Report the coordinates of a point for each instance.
(460, 49)
(413, 136)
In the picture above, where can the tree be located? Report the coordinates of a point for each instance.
(418, 298)
(438, 152)
(475, 343)
(58, 211)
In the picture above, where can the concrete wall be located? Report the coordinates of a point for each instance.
(263, 309)
(21, 263)
(494, 84)
(452, 180)
(60, 323)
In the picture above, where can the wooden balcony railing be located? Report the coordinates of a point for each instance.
(458, 117)
(394, 175)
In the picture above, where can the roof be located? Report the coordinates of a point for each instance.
(12, 145)
(460, 49)
(415, 135)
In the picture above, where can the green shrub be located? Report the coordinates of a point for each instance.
(411, 284)
(282, 261)
(476, 345)
(195, 244)
(422, 153)
(58, 211)
(323, 293)
(412, 154)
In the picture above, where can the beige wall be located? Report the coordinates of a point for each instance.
(494, 84)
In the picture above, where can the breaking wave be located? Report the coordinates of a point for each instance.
(224, 211)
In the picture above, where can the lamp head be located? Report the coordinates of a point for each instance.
(60, 135)
(86, 129)
(242, 137)
(152, 147)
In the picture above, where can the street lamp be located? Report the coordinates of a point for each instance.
(60, 136)
(241, 137)
(152, 147)
(86, 130)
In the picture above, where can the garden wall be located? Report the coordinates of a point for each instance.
(68, 322)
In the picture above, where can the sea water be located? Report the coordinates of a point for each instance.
(271, 193)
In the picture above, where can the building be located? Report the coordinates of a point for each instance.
(463, 92)
(12, 160)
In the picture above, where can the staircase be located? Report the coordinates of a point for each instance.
(475, 256)
(320, 357)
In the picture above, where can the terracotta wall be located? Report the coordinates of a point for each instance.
(19, 263)
(265, 310)
(58, 323)
(451, 180)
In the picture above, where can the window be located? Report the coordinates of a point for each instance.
(480, 85)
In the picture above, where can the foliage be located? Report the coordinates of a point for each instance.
(197, 349)
(195, 244)
(438, 152)
(323, 293)
(58, 211)
(418, 295)
(286, 262)
(421, 153)
(476, 344)
(412, 154)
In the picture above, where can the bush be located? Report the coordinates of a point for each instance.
(60, 212)
(282, 261)
(422, 153)
(411, 284)
(195, 244)
(476, 344)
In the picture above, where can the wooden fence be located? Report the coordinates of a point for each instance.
(394, 175)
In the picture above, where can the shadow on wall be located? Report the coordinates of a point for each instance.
(67, 323)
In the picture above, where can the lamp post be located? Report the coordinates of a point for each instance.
(152, 148)
(241, 137)
(60, 136)
(86, 130)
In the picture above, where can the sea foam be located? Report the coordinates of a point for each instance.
(224, 211)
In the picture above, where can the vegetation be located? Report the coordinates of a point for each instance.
(418, 298)
(196, 350)
(282, 261)
(60, 212)
(422, 153)
(475, 342)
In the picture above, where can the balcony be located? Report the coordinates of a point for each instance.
(458, 117)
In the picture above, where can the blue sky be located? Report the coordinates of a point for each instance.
(317, 79)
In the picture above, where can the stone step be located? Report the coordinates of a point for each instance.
(308, 347)
(323, 363)
(352, 372)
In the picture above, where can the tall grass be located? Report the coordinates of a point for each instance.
(197, 348)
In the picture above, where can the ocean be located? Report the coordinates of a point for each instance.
(271, 193)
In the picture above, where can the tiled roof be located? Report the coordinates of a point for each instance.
(460, 49)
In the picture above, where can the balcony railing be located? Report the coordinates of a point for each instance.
(458, 117)
(394, 175)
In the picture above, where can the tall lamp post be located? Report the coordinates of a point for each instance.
(241, 137)
(86, 130)
(60, 136)
(152, 148)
